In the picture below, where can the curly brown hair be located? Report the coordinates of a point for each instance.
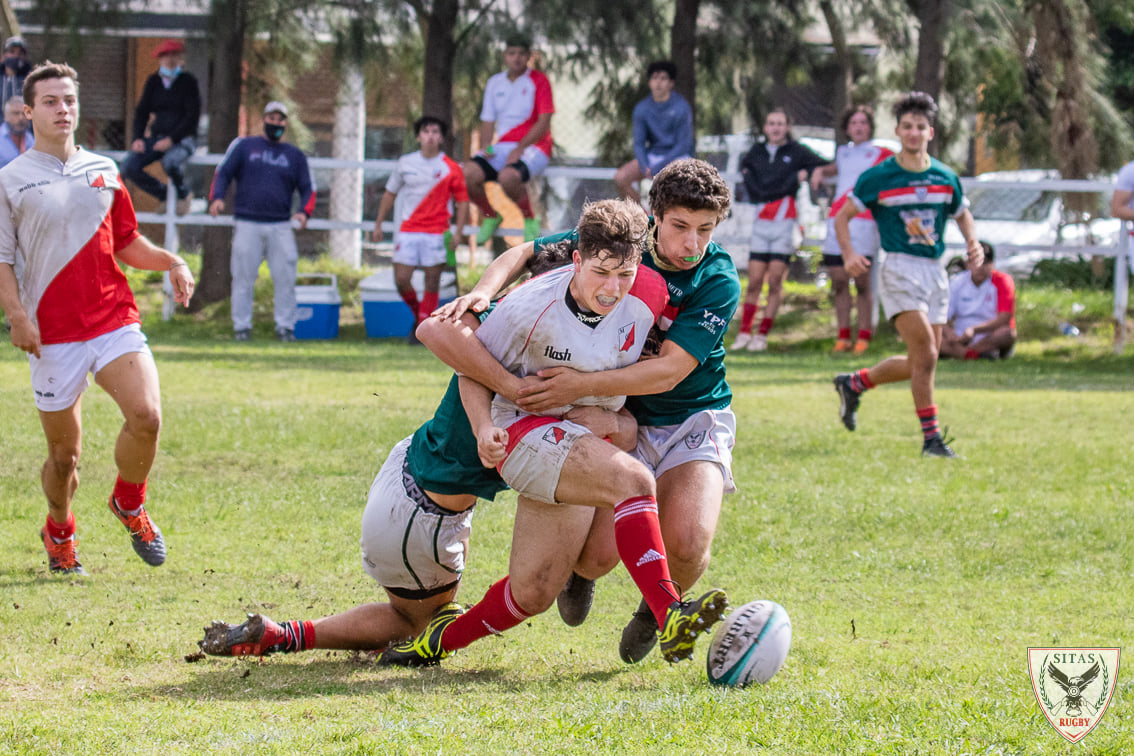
(691, 184)
(47, 70)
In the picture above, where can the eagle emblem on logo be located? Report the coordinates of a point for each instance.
(1073, 686)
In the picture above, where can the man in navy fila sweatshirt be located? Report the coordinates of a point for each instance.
(268, 174)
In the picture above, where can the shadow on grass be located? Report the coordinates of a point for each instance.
(241, 679)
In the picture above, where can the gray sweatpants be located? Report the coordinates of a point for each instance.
(252, 243)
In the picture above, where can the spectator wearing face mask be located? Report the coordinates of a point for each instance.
(165, 125)
(268, 174)
(15, 133)
(16, 69)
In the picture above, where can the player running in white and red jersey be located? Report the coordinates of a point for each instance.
(517, 108)
(851, 159)
(66, 216)
(422, 190)
(592, 316)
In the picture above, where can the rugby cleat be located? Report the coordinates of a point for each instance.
(842, 345)
(848, 400)
(62, 558)
(639, 636)
(487, 229)
(425, 650)
(861, 346)
(759, 343)
(937, 446)
(144, 534)
(574, 601)
(256, 636)
(685, 620)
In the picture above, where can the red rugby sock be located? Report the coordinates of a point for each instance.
(637, 535)
(492, 615)
(747, 317)
(130, 496)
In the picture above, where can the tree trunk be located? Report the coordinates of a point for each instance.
(440, 54)
(929, 75)
(229, 20)
(346, 183)
(845, 60)
(683, 50)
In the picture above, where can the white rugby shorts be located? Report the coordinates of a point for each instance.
(908, 283)
(533, 157)
(409, 542)
(775, 236)
(863, 236)
(59, 375)
(418, 249)
(707, 436)
(538, 448)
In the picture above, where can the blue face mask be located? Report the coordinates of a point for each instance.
(169, 73)
(274, 131)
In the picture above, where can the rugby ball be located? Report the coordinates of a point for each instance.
(750, 645)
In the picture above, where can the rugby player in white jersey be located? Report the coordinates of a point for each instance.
(65, 215)
(593, 315)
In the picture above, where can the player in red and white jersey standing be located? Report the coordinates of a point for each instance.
(422, 190)
(517, 108)
(851, 159)
(65, 215)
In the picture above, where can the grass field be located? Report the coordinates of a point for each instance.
(915, 587)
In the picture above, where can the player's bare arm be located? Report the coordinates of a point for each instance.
(967, 226)
(491, 441)
(384, 208)
(1120, 205)
(462, 221)
(24, 335)
(854, 263)
(500, 272)
(562, 386)
(145, 255)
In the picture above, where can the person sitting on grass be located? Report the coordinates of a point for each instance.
(982, 312)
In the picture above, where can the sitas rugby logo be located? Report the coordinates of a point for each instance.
(1073, 686)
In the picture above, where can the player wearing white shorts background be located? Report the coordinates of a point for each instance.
(517, 108)
(423, 190)
(595, 314)
(65, 215)
(851, 160)
(680, 396)
(912, 196)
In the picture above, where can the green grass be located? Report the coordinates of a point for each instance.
(946, 571)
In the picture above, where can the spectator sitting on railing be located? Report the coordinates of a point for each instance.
(982, 312)
(165, 126)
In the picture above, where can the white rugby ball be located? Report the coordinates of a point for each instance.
(750, 645)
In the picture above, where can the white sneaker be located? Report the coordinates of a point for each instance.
(742, 340)
(759, 343)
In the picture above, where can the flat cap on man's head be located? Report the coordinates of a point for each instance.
(169, 47)
(276, 107)
(14, 42)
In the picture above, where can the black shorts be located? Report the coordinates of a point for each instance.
(767, 257)
(490, 172)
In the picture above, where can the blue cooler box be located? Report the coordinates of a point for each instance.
(317, 306)
(384, 312)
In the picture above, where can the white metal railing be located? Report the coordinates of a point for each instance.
(1121, 249)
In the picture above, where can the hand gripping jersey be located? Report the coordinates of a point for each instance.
(67, 221)
(514, 106)
(533, 328)
(970, 305)
(911, 208)
(424, 187)
(702, 302)
(852, 160)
